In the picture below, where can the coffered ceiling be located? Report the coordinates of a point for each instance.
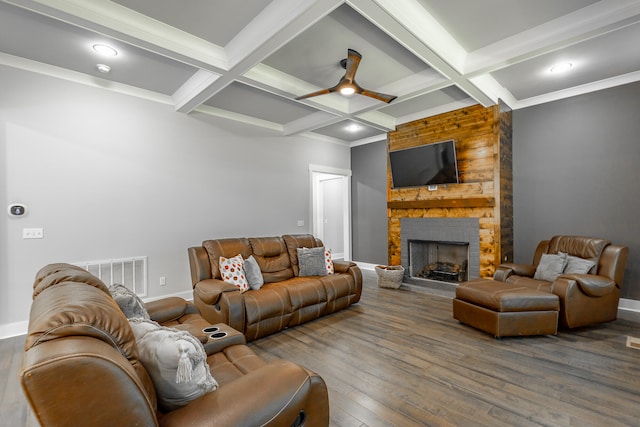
(246, 61)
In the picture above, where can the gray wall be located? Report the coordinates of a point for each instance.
(109, 176)
(369, 202)
(575, 169)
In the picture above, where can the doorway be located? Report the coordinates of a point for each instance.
(331, 209)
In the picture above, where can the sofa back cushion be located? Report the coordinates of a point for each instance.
(295, 241)
(583, 247)
(271, 255)
(227, 248)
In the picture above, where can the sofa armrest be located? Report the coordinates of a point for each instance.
(290, 391)
(210, 290)
(167, 309)
(220, 302)
(505, 270)
(591, 284)
(343, 266)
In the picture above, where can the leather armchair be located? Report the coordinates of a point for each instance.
(585, 299)
(81, 366)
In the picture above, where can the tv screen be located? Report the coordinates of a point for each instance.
(428, 164)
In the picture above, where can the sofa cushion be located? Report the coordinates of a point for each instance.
(583, 247)
(295, 241)
(577, 265)
(328, 261)
(272, 257)
(312, 262)
(550, 267)
(253, 273)
(232, 271)
(130, 303)
(226, 248)
(176, 362)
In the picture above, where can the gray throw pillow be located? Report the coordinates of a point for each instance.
(312, 262)
(550, 266)
(253, 273)
(176, 362)
(577, 265)
(130, 303)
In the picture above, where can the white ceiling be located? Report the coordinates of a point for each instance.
(246, 61)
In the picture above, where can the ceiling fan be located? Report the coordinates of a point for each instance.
(347, 84)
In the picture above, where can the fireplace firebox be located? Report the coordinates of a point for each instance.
(438, 260)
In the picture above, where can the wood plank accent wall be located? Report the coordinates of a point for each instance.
(483, 138)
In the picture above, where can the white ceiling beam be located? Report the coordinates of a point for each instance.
(134, 28)
(389, 17)
(581, 25)
(277, 24)
(311, 122)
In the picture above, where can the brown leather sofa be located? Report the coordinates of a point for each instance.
(81, 366)
(285, 300)
(585, 299)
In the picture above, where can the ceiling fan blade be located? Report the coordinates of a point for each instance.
(317, 93)
(379, 96)
(353, 60)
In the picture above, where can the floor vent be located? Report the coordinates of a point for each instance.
(633, 342)
(130, 272)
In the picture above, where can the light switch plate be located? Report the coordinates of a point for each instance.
(32, 233)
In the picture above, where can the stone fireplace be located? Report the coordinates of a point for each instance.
(450, 246)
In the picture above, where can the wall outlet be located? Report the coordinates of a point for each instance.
(32, 233)
(301, 223)
(163, 281)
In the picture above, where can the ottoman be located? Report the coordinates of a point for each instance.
(503, 309)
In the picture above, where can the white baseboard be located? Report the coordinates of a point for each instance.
(629, 305)
(13, 329)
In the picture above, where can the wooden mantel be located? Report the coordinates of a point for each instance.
(483, 149)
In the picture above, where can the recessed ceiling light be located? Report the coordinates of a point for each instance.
(561, 67)
(103, 68)
(105, 50)
(353, 127)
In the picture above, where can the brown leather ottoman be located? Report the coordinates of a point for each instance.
(503, 309)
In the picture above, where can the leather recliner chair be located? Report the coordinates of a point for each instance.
(585, 299)
(81, 366)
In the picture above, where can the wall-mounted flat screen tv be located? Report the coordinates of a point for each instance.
(428, 164)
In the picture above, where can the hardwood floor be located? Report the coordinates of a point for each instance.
(398, 358)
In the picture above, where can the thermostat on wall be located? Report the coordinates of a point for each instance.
(17, 210)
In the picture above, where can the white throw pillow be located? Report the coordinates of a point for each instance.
(328, 261)
(232, 271)
(175, 361)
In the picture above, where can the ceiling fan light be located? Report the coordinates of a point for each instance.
(347, 90)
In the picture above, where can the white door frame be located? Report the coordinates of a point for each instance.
(315, 172)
